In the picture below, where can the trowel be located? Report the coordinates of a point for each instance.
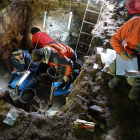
(132, 73)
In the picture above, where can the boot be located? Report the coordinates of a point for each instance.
(61, 85)
(113, 82)
(71, 80)
(134, 93)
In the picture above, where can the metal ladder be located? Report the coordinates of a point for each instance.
(88, 23)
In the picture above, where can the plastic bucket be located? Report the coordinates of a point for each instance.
(27, 95)
(51, 74)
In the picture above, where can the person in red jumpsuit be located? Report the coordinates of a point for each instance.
(40, 39)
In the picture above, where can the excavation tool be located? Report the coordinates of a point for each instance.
(86, 122)
(15, 93)
(50, 102)
(101, 125)
(79, 125)
(90, 103)
(22, 78)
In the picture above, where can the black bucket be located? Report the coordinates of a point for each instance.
(27, 95)
(51, 74)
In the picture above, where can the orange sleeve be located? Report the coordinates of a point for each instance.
(68, 71)
(120, 35)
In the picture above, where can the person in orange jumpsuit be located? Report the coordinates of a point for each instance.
(130, 31)
(61, 58)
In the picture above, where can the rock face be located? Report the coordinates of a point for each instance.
(13, 25)
(108, 25)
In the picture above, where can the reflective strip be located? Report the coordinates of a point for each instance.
(50, 43)
(47, 53)
(17, 52)
(137, 50)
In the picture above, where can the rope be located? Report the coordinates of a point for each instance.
(27, 126)
(37, 40)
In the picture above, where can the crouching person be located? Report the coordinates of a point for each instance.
(56, 58)
(21, 62)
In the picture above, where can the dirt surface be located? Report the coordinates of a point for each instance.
(28, 97)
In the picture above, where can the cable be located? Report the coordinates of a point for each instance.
(46, 110)
(33, 119)
(37, 40)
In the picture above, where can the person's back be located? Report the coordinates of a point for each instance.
(62, 48)
(40, 39)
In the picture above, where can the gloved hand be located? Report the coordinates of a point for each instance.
(57, 67)
(15, 70)
(124, 56)
(66, 78)
(15, 73)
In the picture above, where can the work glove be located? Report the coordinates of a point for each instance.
(125, 55)
(66, 78)
(57, 67)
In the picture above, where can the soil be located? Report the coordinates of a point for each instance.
(27, 97)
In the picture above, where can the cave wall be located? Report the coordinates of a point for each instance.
(14, 21)
(18, 18)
